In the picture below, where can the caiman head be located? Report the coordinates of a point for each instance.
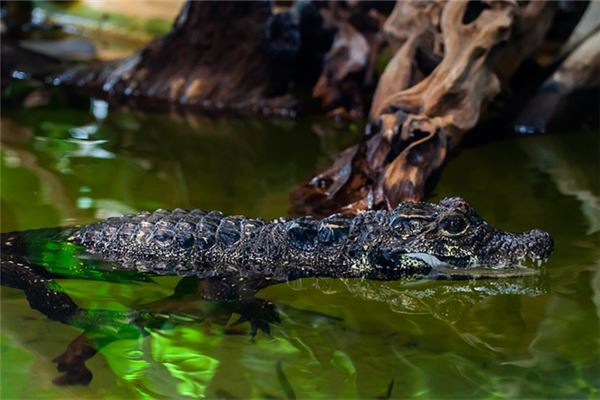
(450, 241)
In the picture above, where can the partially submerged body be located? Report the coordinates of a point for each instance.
(236, 256)
(415, 240)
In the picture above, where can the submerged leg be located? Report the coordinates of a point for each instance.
(42, 292)
(45, 295)
(228, 296)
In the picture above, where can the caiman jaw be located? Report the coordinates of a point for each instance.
(482, 272)
(540, 246)
(528, 249)
(511, 255)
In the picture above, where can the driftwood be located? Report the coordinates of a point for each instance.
(242, 57)
(587, 26)
(218, 57)
(348, 78)
(415, 125)
(450, 59)
(412, 30)
(571, 92)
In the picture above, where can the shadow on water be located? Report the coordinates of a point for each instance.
(534, 337)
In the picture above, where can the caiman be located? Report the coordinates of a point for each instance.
(235, 256)
(414, 240)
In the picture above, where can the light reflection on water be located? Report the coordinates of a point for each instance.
(510, 338)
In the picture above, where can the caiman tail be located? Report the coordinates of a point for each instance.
(52, 253)
(19, 244)
(42, 249)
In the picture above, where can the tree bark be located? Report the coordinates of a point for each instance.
(219, 56)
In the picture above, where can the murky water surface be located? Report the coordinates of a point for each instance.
(528, 338)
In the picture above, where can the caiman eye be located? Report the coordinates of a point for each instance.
(453, 225)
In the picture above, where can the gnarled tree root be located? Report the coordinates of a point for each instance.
(422, 109)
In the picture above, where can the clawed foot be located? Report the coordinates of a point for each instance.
(72, 363)
(259, 313)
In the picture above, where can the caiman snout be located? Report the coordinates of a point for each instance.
(539, 244)
(507, 249)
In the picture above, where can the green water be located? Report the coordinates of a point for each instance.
(511, 338)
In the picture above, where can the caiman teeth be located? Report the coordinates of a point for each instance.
(531, 261)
